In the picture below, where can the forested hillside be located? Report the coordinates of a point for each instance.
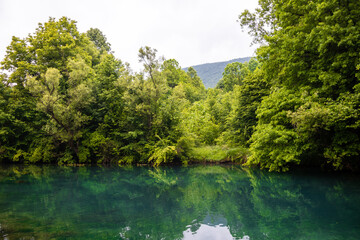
(211, 73)
(66, 99)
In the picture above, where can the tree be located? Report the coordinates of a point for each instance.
(198, 125)
(275, 143)
(195, 79)
(172, 70)
(147, 56)
(311, 45)
(99, 39)
(65, 111)
(262, 23)
(51, 72)
(309, 48)
(234, 74)
(242, 119)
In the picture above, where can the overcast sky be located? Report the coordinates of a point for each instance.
(190, 31)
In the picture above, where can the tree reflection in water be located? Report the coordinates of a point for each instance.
(200, 202)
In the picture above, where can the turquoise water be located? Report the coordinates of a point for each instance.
(202, 202)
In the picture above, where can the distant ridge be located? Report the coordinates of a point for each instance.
(211, 73)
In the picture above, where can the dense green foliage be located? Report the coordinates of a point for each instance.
(310, 56)
(68, 100)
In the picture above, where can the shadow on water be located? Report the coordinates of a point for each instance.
(198, 202)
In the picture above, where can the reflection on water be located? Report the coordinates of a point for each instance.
(203, 202)
(216, 232)
(211, 228)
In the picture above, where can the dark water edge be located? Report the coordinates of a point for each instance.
(194, 202)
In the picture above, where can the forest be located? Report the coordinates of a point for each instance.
(66, 99)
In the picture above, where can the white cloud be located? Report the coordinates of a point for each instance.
(191, 31)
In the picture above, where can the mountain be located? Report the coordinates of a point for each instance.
(211, 73)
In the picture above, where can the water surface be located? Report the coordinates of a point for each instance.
(202, 202)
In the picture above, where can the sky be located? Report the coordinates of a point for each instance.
(191, 31)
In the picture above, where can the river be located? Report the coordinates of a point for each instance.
(195, 202)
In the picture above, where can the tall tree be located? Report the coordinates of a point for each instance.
(51, 72)
(147, 56)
